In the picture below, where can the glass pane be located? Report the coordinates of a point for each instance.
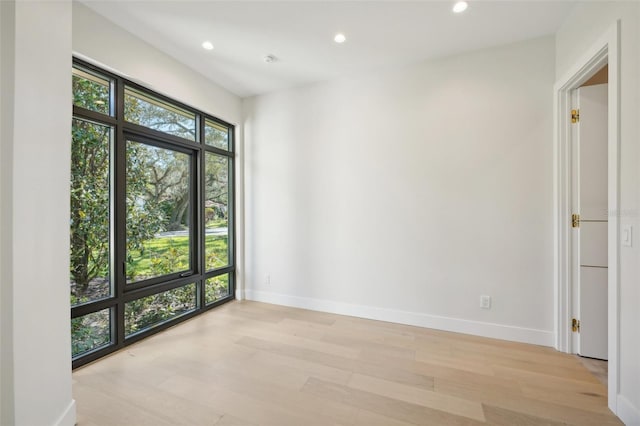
(158, 115)
(91, 331)
(150, 311)
(216, 211)
(91, 91)
(158, 212)
(216, 288)
(89, 221)
(216, 135)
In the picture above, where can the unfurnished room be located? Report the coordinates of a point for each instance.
(364, 213)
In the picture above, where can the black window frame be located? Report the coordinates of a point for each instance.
(123, 292)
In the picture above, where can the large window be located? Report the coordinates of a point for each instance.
(151, 227)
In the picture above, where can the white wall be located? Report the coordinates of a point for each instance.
(406, 195)
(581, 29)
(105, 43)
(36, 359)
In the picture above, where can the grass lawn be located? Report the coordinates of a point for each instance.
(165, 255)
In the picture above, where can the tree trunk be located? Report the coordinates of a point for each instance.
(180, 211)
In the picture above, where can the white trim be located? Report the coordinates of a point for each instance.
(574, 207)
(629, 414)
(68, 417)
(239, 291)
(605, 50)
(457, 325)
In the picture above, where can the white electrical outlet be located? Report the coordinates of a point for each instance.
(267, 279)
(485, 302)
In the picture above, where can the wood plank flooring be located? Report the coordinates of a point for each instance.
(248, 363)
(597, 367)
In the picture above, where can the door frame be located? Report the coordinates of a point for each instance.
(606, 50)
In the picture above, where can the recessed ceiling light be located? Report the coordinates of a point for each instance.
(207, 45)
(460, 7)
(339, 38)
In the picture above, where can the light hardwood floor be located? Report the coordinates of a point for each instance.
(248, 363)
(598, 368)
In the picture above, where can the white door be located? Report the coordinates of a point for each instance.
(591, 235)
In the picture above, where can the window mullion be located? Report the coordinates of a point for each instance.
(120, 239)
(201, 217)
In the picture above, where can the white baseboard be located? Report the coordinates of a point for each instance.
(629, 414)
(477, 328)
(68, 418)
(239, 294)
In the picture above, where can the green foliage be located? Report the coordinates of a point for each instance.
(144, 215)
(216, 252)
(209, 214)
(157, 201)
(216, 135)
(159, 256)
(90, 332)
(89, 222)
(157, 195)
(157, 212)
(90, 94)
(216, 288)
(148, 311)
(170, 254)
(147, 111)
(217, 184)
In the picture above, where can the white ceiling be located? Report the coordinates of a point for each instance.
(300, 34)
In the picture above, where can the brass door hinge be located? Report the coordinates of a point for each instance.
(575, 325)
(575, 220)
(575, 115)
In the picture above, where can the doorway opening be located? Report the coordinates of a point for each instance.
(588, 266)
(590, 223)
